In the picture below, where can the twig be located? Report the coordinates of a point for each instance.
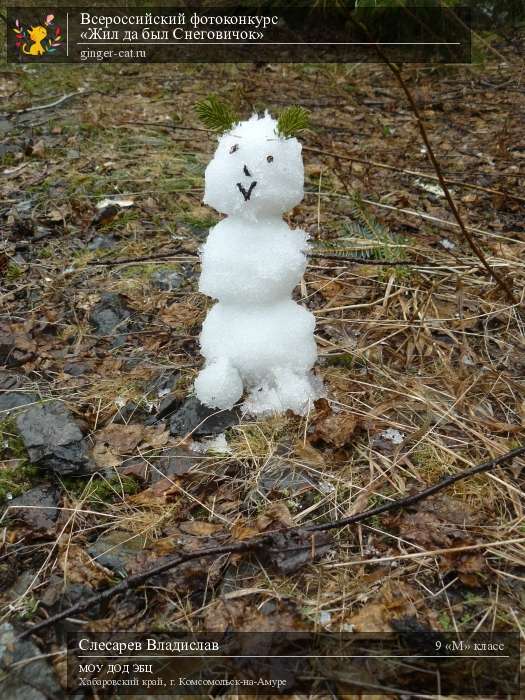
(50, 104)
(375, 261)
(327, 256)
(265, 541)
(420, 495)
(143, 258)
(502, 281)
(172, 127)
(416, 173)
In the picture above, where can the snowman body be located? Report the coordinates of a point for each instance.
(256, 338)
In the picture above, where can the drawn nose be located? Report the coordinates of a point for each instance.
(246, 171)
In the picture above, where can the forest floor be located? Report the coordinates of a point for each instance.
(424, 365)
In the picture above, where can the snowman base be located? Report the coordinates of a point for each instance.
(219, 385)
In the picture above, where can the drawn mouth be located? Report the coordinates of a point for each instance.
(246, 193)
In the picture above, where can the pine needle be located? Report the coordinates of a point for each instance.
(215, 115)
(291, 121)
(365, 237)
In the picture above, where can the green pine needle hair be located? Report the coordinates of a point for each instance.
(215, 115)
(292, 121)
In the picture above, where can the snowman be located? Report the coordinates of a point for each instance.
(256, 340)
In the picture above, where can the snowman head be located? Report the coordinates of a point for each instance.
(255, 173)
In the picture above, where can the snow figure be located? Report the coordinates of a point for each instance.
(256, 339)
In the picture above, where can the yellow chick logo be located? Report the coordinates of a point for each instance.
(37, 35)
(38, 40)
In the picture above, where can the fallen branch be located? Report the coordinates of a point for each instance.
(373, 261)
(500, 280)
(264, 542)
(60, 100)
(142, 258)
(416, 173)
(328, 256)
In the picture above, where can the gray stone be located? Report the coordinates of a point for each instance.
(16, 399)
(175, 461)
(167, 406)
(115, 550)
(14, 350)
(196, 418)
(52, 438)
(101, 243)
(167, 280)
(33, 677)
(43, 515)
(281, 478)
(110, 314)
(5, 126)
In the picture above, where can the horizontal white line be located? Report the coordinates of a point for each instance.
(292, 656)
(270, 43)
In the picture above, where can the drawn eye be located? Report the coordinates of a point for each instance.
(234, 148)
(269, 159)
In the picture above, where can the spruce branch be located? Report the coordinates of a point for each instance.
(292, 121)
(215, 115)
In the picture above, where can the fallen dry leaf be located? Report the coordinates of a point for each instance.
(336, 429)
(121, 439)
(275, 517)
(79, 567)
(199, 528)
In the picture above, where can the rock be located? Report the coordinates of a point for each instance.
(115, 550)
(196, 418)
(174, 462)
(15, 349)
(43, 515)
(52, 438)
(75, 369)
(163, 384)
(167, 280)
(7, 148)
(10, 380)
(59, 596)
(33, 678)
(16, 399)
(101, 243)
(132, 412)
(110, 314)
(279, 478)
(5, 126)
(167, 406)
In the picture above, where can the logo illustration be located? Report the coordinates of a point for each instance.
(39, 40)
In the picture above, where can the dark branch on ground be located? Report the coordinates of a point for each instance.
(265, 541)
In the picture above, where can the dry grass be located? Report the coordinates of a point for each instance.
(434, 351)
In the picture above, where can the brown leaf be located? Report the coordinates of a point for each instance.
(241, 616)
(39, 149)
(121, 439)
(199, 528)
(79, 567)
(335, 429)
(309, 455)
(374, 617)
(241, 531)
(104, 457)
(439, 522)
(275, 517)
(469, 566)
